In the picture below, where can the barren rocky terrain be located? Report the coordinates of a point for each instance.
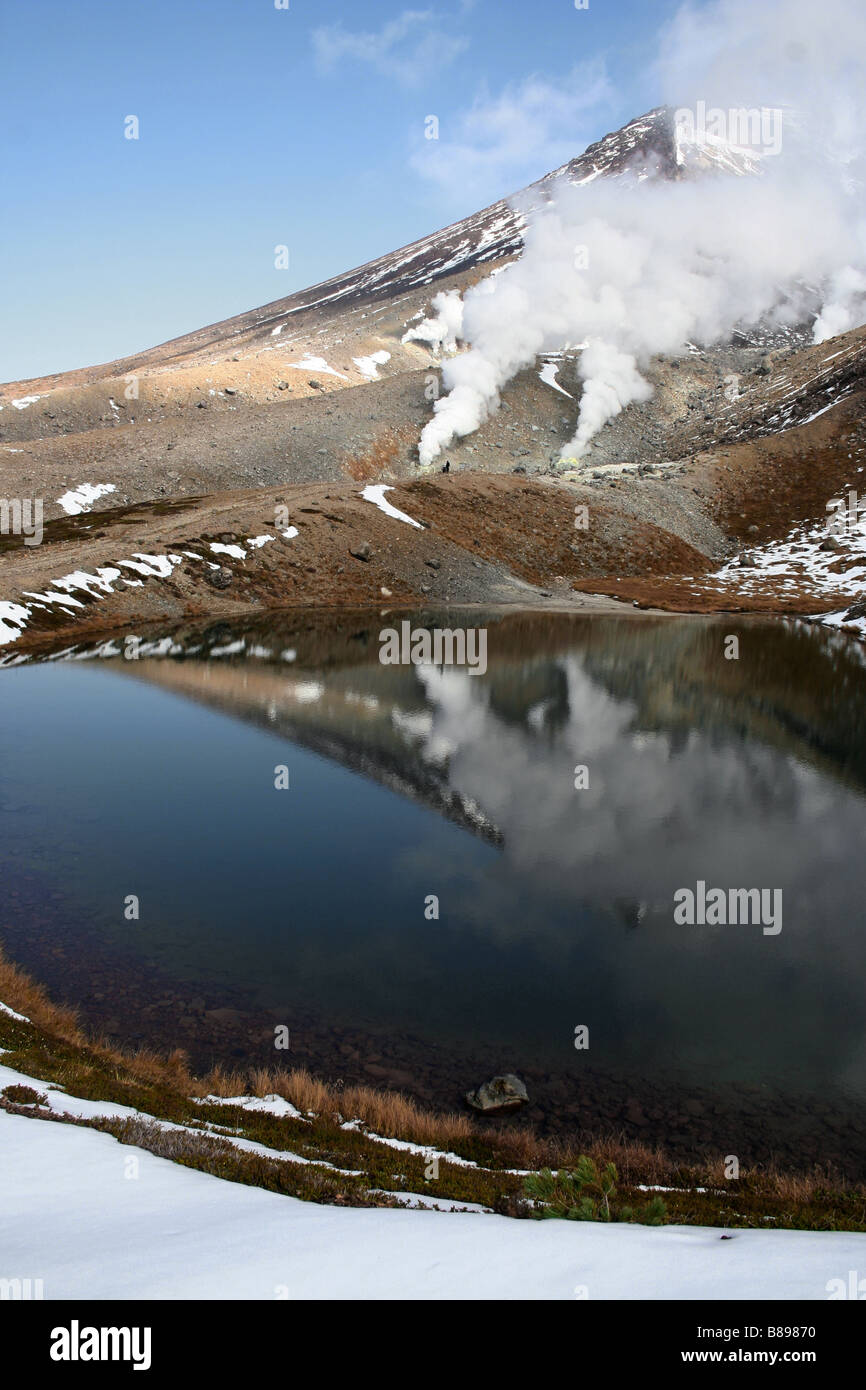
(276, 421)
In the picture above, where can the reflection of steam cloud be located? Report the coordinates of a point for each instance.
(661, 810)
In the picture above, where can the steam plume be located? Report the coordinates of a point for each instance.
(638, 267)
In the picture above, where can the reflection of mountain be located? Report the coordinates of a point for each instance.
(366, 719)
(792, 687)
(553, 683)
(684, 748)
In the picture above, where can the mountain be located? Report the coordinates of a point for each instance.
(649, 145)
(203, 441)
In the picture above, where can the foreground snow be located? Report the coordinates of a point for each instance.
(76, 1217)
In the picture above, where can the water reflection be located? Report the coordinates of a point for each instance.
(555, 900)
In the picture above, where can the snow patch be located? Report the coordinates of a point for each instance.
(548, 376)
(375, 493)
(235, 551)
(14, 616)
(82, 498)
(315, 364)
(272, 1105)
(368, 366)
(20, 1018)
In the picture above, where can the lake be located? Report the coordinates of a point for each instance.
(466, 873)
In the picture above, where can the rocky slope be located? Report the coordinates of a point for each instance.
(701, 498)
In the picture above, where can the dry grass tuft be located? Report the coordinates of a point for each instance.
(219, 1082)
(19, 992)
(386, 1112)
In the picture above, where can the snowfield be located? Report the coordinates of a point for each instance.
(76, 1217)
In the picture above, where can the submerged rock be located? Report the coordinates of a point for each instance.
(499, 1094)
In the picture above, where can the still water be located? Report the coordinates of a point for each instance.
(417, 791)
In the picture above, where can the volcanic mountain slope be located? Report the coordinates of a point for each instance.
(650, 144)
(356, 317)
(267, 423)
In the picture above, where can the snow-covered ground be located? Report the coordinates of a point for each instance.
(548, 376)
(841, 620)
(369, 366)
(375, 493)
(91, 1224)
(93, 1218)
(81, 499)
(799, 561)
(825, 560)
(315, 364)
(60, 593)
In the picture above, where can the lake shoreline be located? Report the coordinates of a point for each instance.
(45, 1048)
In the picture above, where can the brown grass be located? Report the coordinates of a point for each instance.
(23, 1095)
(20, 992)
(389, 1112)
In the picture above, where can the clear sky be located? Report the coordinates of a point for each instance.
(261, 127)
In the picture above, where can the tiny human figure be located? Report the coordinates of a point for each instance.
(447, 466)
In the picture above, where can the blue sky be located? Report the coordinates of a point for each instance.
(260, 127)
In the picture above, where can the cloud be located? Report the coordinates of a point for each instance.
(502, 142)
(409, 49)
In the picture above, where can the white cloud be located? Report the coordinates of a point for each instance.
(505, 141)
(409, 48)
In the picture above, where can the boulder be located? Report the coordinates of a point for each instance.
(498, 1095)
